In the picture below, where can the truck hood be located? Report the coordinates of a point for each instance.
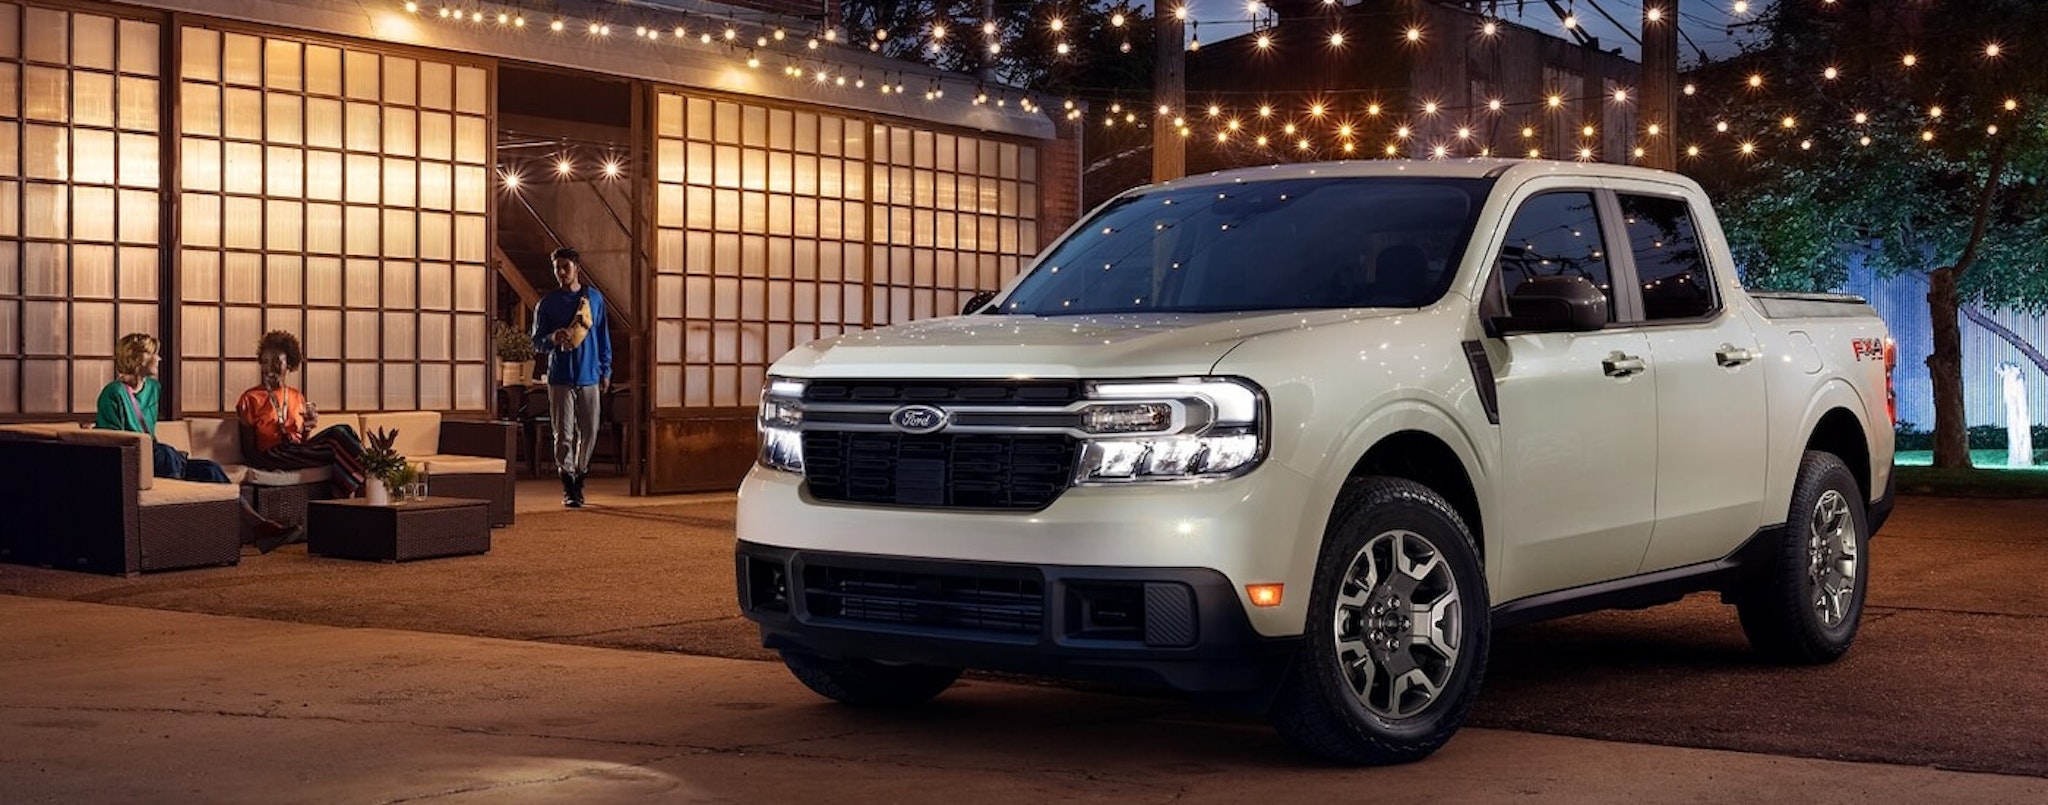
(1123, 345)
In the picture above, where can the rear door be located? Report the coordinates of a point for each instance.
(1711, 432)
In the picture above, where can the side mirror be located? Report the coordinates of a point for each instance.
(1554, 304)
(977, 301)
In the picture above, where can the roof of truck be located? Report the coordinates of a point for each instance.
(1517, 169)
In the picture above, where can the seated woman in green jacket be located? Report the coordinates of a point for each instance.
(130, 403)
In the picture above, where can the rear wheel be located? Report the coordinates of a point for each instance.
(1398, 630)
(867, 683)
(1806, 607)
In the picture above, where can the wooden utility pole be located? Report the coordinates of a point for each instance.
(1660, 85)
(1169, 89)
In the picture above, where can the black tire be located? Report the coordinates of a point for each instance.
(867, 683)
(1784, 611)
(1319, 708)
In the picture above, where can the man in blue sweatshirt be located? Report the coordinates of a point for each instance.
(569, 328)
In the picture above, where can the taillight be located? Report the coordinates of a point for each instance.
(1891, 393)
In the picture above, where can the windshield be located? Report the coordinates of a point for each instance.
(1270, 245)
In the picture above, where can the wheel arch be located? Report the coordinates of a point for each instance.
(1841, 433)
(1425, 459)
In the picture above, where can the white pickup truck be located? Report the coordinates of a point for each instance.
(1301, 437)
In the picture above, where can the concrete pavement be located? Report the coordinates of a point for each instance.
(109, 703)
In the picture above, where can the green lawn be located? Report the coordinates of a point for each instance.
(1982, 459)
(1990, 477)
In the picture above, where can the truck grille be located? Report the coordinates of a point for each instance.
(996, 605)
(940, 470)
(929, 392)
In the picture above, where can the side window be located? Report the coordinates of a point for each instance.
(1669, 261)
(1552, 235)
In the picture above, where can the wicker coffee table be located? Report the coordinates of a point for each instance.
(421, 529)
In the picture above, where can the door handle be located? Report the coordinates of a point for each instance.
(1619, 364)
(1730, 356)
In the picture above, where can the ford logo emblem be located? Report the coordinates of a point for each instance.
(917, 419)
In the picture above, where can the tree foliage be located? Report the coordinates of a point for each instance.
(1795, 213)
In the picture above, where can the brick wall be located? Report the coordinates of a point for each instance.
(1059, 182)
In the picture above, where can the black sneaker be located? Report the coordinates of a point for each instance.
(273, 536)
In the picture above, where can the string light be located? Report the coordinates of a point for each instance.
(1489, 28)
(1992, 50)
(1756, 80)
(1862, 118)
(1655, 130)
(1910, 60)
(1413, 35)
(1789, 122)
(1653, 14)
(1692, 150)
(1264, 42)
(1621, 96)
(1831, 73)
(1934, 112)
(2012, 104)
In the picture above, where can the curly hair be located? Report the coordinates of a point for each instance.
(132, 352)
(285, 343)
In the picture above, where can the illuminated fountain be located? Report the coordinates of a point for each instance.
(2019, 433)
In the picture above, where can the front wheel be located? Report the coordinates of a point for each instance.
(1398, 630)
(1805, 608)
(867, 683)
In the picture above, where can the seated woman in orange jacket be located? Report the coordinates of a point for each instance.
(278, 422)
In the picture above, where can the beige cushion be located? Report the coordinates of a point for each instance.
(46, 431)
(460, 465)
(310, 475)
(219, 440)
(237, 473)
(419, 432)
(176, 433)
(170, 491)
(353, 421)
(145, 475)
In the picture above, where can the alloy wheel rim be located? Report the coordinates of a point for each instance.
(1831, 558)
(1398, 624)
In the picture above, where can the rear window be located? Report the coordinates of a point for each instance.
(1273, 245)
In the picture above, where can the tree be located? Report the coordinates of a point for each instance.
(1926, 150)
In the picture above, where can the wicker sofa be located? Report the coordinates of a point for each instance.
(464, 459)
(89, 502)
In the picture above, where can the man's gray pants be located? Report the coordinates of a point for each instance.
(573, 414)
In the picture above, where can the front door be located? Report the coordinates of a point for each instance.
(1578, 418)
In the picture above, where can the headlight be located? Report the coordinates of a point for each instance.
(781, 425)
(1195, 428)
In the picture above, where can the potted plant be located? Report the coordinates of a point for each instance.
(515, 353)
(382, 466)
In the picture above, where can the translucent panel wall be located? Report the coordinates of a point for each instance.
(340, 194)
(79, 201)
(779, 226)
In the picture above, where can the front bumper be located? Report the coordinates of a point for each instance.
(1178, 628)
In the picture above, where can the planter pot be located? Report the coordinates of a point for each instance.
(374, 492)
(514, 373)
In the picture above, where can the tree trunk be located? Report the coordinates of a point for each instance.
(1945, 369)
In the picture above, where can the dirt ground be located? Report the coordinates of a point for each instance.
(1948, 671)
